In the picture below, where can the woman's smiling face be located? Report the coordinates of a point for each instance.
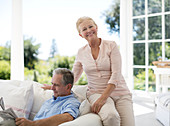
(88, 30)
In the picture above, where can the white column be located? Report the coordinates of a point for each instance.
(17, 47)
(125, 38)
(123, 35)
(125, 41)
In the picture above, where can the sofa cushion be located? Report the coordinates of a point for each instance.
(90, 119)
(163, 108)
(85, 107)
(163, 99)
(17, 95)
(80, 92)
(40, 96)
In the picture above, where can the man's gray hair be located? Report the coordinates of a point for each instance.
(68, 76)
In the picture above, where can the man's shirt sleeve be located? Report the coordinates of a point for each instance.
(72, 108)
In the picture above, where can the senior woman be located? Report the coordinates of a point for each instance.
(107, 90)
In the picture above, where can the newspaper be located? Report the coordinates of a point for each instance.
(2, 104)
(8, 116)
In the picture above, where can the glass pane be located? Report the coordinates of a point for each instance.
(167, 5)
(167, 51)
(139, 54)
(155, 52)
(167, 26)
(139, 78)
(152, 81)
(154, 6)
(138, 7)
(139, 29)
(155, 27)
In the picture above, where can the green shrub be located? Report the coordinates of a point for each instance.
(139, 81)
(5, 70)
(82, 80)
(61, 62)
(44, 79)
(28, 74)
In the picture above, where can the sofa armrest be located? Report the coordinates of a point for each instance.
(89, 119)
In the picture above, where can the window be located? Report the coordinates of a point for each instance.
(150, 40)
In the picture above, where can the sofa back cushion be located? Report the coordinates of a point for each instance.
(40, 96)
(80, 92)
(17, 95)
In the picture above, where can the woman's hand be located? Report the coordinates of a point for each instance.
(102, 100)
(46, 87)
(98, 105)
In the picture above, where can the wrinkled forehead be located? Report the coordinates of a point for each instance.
(57, 78)
(82, 20)
(89, 21)
(86, 23)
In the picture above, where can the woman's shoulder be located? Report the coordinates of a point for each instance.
(109, 43)
(82, 48)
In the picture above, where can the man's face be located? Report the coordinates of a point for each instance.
(58, 88)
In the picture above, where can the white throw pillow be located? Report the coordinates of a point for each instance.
(40, 96)
(17, 95)
(80, 92)
(85, 107)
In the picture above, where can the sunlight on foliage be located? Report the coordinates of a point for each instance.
(139, 81)
(4, 70)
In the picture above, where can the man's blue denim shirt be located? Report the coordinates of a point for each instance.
(65, 104)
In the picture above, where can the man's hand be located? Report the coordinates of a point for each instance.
(23, 122)
(98, 105)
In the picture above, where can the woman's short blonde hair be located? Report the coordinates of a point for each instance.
(81, 19)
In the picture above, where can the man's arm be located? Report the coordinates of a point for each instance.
(51, 121)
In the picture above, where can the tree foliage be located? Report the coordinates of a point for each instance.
(112, 17)
(138, 7)
(4, 70)
(138, 29)
(61, 62)
(5, 52)
(139, 79)
(53, 49)
(139, 54)
(167, 48)
(30, 53)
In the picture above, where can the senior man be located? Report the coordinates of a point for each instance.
(62, 107)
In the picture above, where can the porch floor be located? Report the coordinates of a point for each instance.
(144, 109)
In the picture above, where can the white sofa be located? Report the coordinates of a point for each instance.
(26, 98)
(163, 108)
